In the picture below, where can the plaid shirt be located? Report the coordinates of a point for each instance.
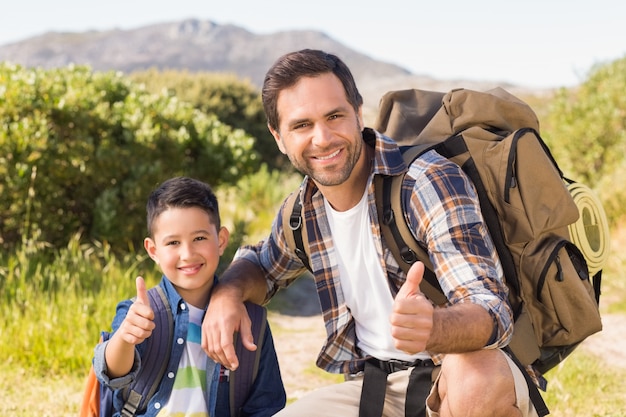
(443, 212)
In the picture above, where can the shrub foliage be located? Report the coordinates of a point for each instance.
(587, 132)
(80, 150)
(234, 101)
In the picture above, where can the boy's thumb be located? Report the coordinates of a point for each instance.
(142, 293)
(411, 286)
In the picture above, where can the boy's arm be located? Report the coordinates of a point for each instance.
(136, 327)
(227, 314)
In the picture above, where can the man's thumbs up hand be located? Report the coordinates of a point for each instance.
(411, 286)
(412, 315)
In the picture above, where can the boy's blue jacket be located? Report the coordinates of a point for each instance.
(267, 395)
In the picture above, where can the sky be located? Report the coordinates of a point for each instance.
(533, 43)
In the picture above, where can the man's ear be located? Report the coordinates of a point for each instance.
(359, 116)
(278, 139)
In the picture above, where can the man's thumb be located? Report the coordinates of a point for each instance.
(411, 286)
(142, 293)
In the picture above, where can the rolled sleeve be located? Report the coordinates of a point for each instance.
(100, 369)
(500, 313)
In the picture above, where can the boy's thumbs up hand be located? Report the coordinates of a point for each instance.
(138, 324)
(412, 315)
(142, 292)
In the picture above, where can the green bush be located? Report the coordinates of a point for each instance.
(586, 130)
(234, 101)
(81, 150)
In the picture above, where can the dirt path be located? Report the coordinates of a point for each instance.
(610, 343)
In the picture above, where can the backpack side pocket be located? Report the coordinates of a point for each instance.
(558, 293)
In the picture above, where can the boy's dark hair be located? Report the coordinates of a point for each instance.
(289, 68)
(182, 192)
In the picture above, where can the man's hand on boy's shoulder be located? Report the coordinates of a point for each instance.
(225, 316)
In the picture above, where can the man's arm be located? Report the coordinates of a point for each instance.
(463, 255)
(227, 314)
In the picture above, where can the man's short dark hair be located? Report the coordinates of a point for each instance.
(289, 68)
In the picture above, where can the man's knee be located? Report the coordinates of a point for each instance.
(477, 383)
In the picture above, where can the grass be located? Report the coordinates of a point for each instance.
(54, 304)
(583, 386)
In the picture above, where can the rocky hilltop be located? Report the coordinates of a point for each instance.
(202, 45)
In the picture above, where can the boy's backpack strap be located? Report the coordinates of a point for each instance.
(156, 356)
(396, 232)
(293, 228)
(241, 380)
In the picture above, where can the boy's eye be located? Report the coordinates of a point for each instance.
(172, 243)
(200, 238)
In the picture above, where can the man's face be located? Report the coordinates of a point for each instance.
(319, 130)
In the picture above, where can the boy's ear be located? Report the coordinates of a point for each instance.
(150, 247)
(223, 236)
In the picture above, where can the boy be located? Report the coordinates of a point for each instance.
(186, 241)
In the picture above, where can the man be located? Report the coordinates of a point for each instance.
(377, 320)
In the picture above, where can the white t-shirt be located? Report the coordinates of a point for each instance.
(363, 282)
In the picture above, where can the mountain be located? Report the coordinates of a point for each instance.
(201, 45)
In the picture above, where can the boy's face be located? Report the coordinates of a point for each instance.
(187, 246)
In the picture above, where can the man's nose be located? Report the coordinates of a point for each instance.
(322, 134)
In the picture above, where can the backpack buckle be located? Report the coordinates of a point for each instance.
(387, 216)
(295, 222)
(408, 255)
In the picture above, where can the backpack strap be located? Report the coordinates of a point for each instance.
(394, 228)
(242, 379)
(156, 357)
(294, 230)
(533, 392)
